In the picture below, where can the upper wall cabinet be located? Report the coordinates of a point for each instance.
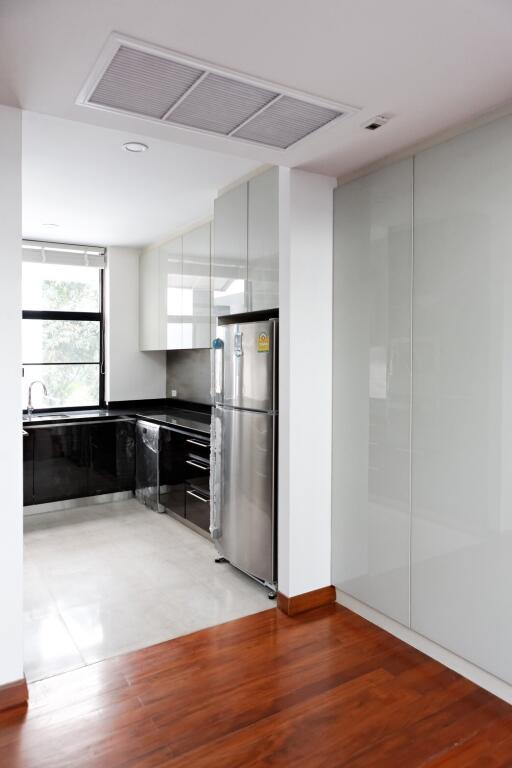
(229, 259)
(245, 262)
(170, 294)
(175, 293)
(149, 300)
(263, 241)
(196, 291)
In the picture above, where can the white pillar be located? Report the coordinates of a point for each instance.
(11, 483)
(305, 380)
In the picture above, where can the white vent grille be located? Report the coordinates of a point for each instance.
(141, 80)
(286, 121)
(220, 104)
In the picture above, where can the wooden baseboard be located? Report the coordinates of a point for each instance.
(13, 694)
(307, 601)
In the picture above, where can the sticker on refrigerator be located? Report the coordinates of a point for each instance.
(263, 342)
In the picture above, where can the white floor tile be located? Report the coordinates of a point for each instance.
(106, 579)
(49, 648)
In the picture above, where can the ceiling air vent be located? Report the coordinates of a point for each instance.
(136, 79)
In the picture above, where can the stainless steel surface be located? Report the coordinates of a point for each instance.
(197, 496)
(31, 425)
(243, 515)
(83, 501)
(196, 442)
(197, 464)
(147, 469)
(30, 407)
(248, 366)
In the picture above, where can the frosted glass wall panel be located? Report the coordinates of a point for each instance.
(461, 577)
(372, 389)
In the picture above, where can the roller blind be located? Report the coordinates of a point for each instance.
(63, 253)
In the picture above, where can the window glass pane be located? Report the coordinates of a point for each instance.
(61, 287)
(67, 385)
(61, 341)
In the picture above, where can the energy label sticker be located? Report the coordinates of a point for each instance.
(263, 342)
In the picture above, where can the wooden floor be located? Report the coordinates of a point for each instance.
(323, 689)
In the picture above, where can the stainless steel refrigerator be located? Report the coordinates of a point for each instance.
(244, 445)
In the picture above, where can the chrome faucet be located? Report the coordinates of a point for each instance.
(30, 407)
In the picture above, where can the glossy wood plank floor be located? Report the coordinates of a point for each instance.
(322, 689)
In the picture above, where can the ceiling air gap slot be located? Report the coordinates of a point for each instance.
(255, 114)
(184, 95)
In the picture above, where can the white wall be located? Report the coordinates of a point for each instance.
(130, 374)
(305, 408)
(11, 518)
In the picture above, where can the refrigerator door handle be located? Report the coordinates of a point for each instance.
(215, 480)
(217, 371)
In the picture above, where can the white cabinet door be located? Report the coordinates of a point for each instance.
(196, 291)
(229, 262)
(263, 241)
(149, 302)
(372, 389)
(461, 579)
(170, 295)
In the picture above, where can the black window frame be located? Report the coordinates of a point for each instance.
(35, 314)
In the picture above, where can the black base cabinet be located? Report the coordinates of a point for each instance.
(185, 476)
(112, 457)
(172, 471)
(77, 460)
(71, 461)
(28, 468)
(61, 460)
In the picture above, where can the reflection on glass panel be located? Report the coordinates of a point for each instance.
(174, 333)
(60, 287)
(61, 341)
(229, 295)
(67, 385)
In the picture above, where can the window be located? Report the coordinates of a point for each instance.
(62, 334)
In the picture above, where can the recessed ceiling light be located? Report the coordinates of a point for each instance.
(135, 146)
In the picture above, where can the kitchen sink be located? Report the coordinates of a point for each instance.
(45, 416)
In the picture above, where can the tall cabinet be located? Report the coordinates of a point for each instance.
(372, 389)
(422, 394)
(245, 256)
(461, 537)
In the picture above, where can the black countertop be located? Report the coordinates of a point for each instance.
(197, 421)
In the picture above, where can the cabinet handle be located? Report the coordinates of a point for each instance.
(197, 496)
(196, 442)
(196, 464)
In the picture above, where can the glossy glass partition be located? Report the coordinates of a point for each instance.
(461, 550)
(372, 389)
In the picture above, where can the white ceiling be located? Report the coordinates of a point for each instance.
(78, 176)
(430, 63)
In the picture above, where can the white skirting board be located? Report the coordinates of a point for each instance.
(479, 676)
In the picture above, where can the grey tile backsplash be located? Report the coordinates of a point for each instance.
(188, 374)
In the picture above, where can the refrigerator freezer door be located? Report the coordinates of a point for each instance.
(250, 357)
(244, 504)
